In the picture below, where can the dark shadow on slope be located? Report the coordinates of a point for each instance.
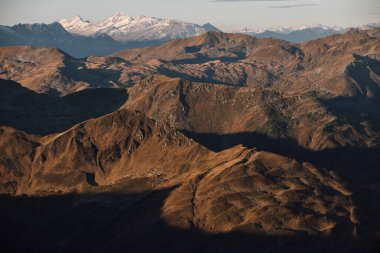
(90, 178)
(35, 113)
(358, 111)
(76, 70)
(131, 222)
(358, 164)
(365, 70)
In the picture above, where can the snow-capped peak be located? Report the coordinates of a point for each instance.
(76, 25)
(75, 20)
(370, 26)
(119, 17)
(78, 18)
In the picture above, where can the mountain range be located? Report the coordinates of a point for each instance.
(221, 142)
(81, 38)
(122, 27)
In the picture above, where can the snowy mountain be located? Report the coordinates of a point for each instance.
(81, 38)
(369, 26)
(122, 27)
(302, 33)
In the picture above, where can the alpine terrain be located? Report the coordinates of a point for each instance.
(204, 142)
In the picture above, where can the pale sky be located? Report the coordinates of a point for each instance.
(227, 15)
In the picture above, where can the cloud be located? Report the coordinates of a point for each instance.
(290, 6)
(250, 0)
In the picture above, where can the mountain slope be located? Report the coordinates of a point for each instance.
(219, 109)
(52, 71)
(325, 66)
(109, 157)
(317, 66)
(205, 192)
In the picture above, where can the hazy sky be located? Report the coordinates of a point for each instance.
(225, 14)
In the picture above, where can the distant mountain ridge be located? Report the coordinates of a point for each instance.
(80, 38)
(123, 27)
(55, 36)
(303, 33)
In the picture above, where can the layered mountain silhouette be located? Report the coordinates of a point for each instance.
(304, 33)
(54, 35)
(301, 35)
(81, 38)
(215, 143)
